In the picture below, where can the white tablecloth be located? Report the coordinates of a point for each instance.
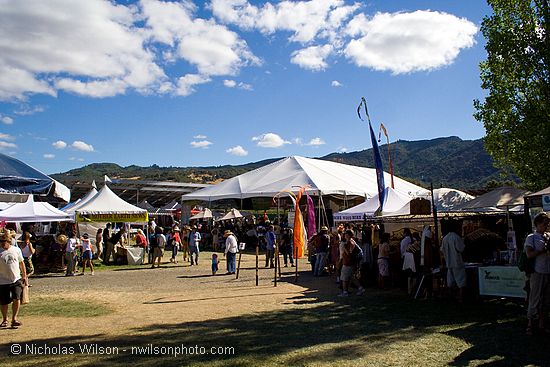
(135, 255)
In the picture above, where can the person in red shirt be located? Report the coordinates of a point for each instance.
(176, 243)
(141, 241)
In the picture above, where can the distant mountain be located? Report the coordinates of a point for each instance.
(447, 162)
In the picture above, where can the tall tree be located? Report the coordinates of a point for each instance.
(516, 111)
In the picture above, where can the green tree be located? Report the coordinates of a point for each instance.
(516, 111)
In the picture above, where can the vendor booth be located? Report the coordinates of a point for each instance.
(32, 212)
(107, 207)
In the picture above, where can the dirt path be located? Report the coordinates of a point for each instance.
(143, 297)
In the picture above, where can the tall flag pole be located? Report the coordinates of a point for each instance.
(383, 129)
(376, 152)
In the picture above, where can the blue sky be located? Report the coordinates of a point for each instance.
(230, 81)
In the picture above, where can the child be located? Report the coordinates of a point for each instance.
(86, 253)
(215, 263)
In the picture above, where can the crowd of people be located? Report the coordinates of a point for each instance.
(358, 256)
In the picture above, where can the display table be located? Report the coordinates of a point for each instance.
(135, 255)
(504, 281)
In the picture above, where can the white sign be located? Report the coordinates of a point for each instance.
(504, 281)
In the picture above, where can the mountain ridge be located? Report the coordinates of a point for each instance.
(445, 162)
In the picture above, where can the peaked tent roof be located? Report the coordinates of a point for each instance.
(501, 197)
(327, 177)
(204, 214)
(449, 199)
(83, 201)
(145, 205)
(545, 191)
(107, 202)
(16, 176)
(394, 201)
(31, 211)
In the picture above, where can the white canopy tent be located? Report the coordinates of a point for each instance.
(81, 202)
(501, 199)
(447, 200)
(323, 177)
(394, 202)
(106, 206)
(232, 214)
(31, 211)
(204, 214)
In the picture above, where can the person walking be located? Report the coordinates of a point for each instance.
(537, 247)
(270, 247)
(194, 243)
(287, 247)
(86, 253)
(141, 241)
(27, 250)
(70, 254)
(231, 249)
(13, 277)
(351, 254)
(99, 243)
(160, 244)
(452, 247)
(176, 243)
(321, 251)
(107, 245)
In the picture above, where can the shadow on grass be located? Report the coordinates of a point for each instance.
(324, 330)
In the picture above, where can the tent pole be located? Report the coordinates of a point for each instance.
(434, 210)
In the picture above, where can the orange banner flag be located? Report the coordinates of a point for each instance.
(299, 228)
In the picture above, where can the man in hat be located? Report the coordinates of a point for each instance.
(231, 249)
(13, 277)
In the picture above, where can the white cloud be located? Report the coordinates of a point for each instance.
(186, 83)
(201, 144)
(49, 156)
(60, 144)
(316, 142)
(199, 136)
(26, 110)
(6, 145)
(212, 48)
(80, 145)
(270, 140)
(342, 150)
(6, 137)
(408, 42)
(312, 58)
(76, 159)
(240, 85)
(336, 83)
(230, 83)
(305, 19)
(238, 151)
(298, 141)
(6, 120)
(99, 49)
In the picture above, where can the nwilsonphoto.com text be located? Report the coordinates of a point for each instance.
(101, 349)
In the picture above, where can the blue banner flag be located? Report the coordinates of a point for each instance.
(377, 158)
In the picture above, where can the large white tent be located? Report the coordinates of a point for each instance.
(323, 177)
(31, 211)
(106, 206)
